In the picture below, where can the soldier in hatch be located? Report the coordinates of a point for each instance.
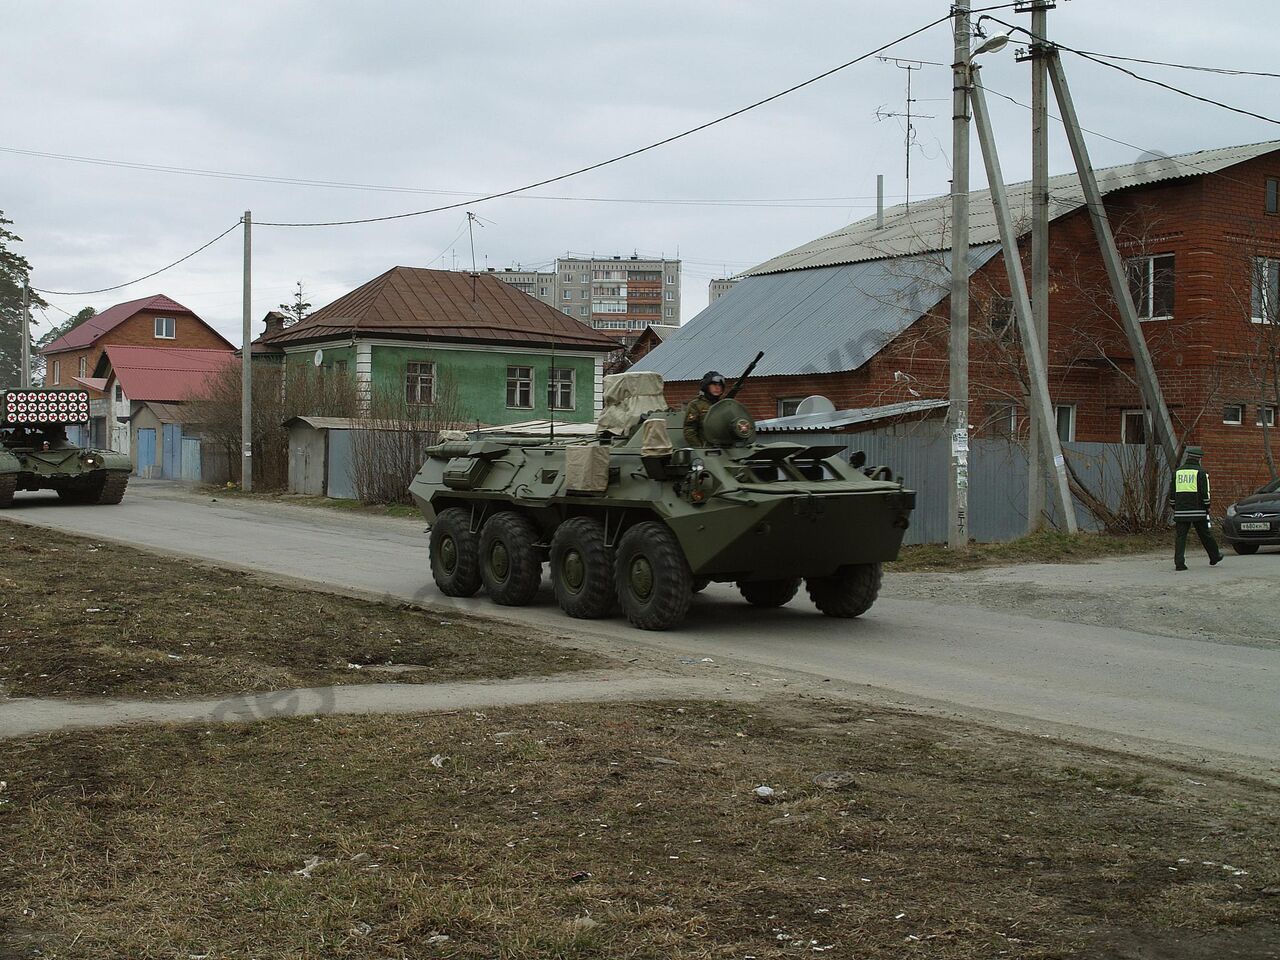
(712, 389)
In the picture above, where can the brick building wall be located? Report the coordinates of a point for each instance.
(1212, 225)
(138, 331)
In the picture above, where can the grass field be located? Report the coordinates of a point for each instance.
(624, 831)
(79, 618)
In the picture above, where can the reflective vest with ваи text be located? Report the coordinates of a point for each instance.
(1190, 494)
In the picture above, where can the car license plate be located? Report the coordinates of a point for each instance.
(1254, 525)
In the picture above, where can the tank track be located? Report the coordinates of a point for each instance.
(8, 486)
(113, 488)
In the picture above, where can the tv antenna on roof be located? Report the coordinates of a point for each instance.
(911, 66)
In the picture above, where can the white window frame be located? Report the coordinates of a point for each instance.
(784, 402)
(1146, 425)
(1148, 300)
(670, 311)
(518, 384)
(1071, 422)
(671, 278)
(1267, 295)
(1268, 413)
(84, 367)
(57, 371)
(671, 295)
(566, 295)
(1239, 417)
(119, 393)
(417, 374)
(166, 328)
(584, 311)
(556, 382)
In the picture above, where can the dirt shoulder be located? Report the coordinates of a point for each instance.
(624, 831)
(80, 618)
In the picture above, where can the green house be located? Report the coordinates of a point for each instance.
(506, 356)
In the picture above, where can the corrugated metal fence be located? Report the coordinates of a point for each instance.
(997, 476)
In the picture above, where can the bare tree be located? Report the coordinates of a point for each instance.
(392, 434)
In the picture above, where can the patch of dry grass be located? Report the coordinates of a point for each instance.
(1044, 547)
(79, 618)
(621, 831)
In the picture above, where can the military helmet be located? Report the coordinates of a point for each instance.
(708, 378)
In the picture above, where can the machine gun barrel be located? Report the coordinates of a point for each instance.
(737, 385)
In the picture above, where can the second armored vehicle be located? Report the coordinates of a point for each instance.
(35, 453)
(638, 520)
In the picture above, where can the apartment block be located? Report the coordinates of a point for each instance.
(619, 296)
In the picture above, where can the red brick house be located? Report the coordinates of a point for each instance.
(155, 321)
(861, 315)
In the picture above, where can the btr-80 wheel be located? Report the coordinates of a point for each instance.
(455, 554)
(509, 563)
(849, 592)
(582, 569)
(654, 584)
(768, 593)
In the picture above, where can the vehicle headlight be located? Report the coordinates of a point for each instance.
(1231, 510)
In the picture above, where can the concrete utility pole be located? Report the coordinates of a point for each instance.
(1039, 242)
(1147, 380)
(26, 335)
(246, 363)
(958, 353)
(1041, 406)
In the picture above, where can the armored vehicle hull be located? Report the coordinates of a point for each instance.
(635, 521)
(35, 453)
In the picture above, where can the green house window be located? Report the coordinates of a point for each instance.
(520, 387)
(419, 383)
(560, 389)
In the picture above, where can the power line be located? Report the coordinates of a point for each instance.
(1227, 71)
(624, 156)
(765, 202)
(85, 293)
(1125, 70)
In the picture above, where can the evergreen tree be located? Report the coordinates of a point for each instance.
(14, 270)
(298, 309)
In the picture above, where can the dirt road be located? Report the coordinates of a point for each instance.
(1054, 661)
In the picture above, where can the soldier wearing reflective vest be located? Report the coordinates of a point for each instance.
(1189, 497)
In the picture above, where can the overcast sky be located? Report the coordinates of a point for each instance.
(444, 99)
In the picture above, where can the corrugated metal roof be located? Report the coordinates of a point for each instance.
(93, 330)
(926, 225)
(353, 423)
(416, 303)
(820, 422)
(823, 320)
(540, 428)
(164, 374)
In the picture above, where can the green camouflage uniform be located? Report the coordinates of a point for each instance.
(694, 413)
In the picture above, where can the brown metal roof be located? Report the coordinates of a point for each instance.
(413, 303)
(95, 328)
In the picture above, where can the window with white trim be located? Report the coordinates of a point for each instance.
(419, 383)
(567, 295)
(584, 311)
(1065, 414)
(671, 278)
(119, 394)
(1266, 289)
(787, 406)
(1266, 416)
(166, 328)
(1151, 283)
(560, 389)
(671, 294)
(670, 311)
(84, 367)
(1233, 414)
(1005, 423)
(1133, 426)
(57, 371)
(520, 387)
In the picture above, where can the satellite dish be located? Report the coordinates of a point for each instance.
(815, 404)
(319, 358)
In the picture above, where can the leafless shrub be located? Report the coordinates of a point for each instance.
(278, 394)
(392, 434)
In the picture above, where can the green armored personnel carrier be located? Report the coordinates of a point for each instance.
(634, 518)
(35, 453)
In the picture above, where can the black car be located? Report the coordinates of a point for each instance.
(1254, 521)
